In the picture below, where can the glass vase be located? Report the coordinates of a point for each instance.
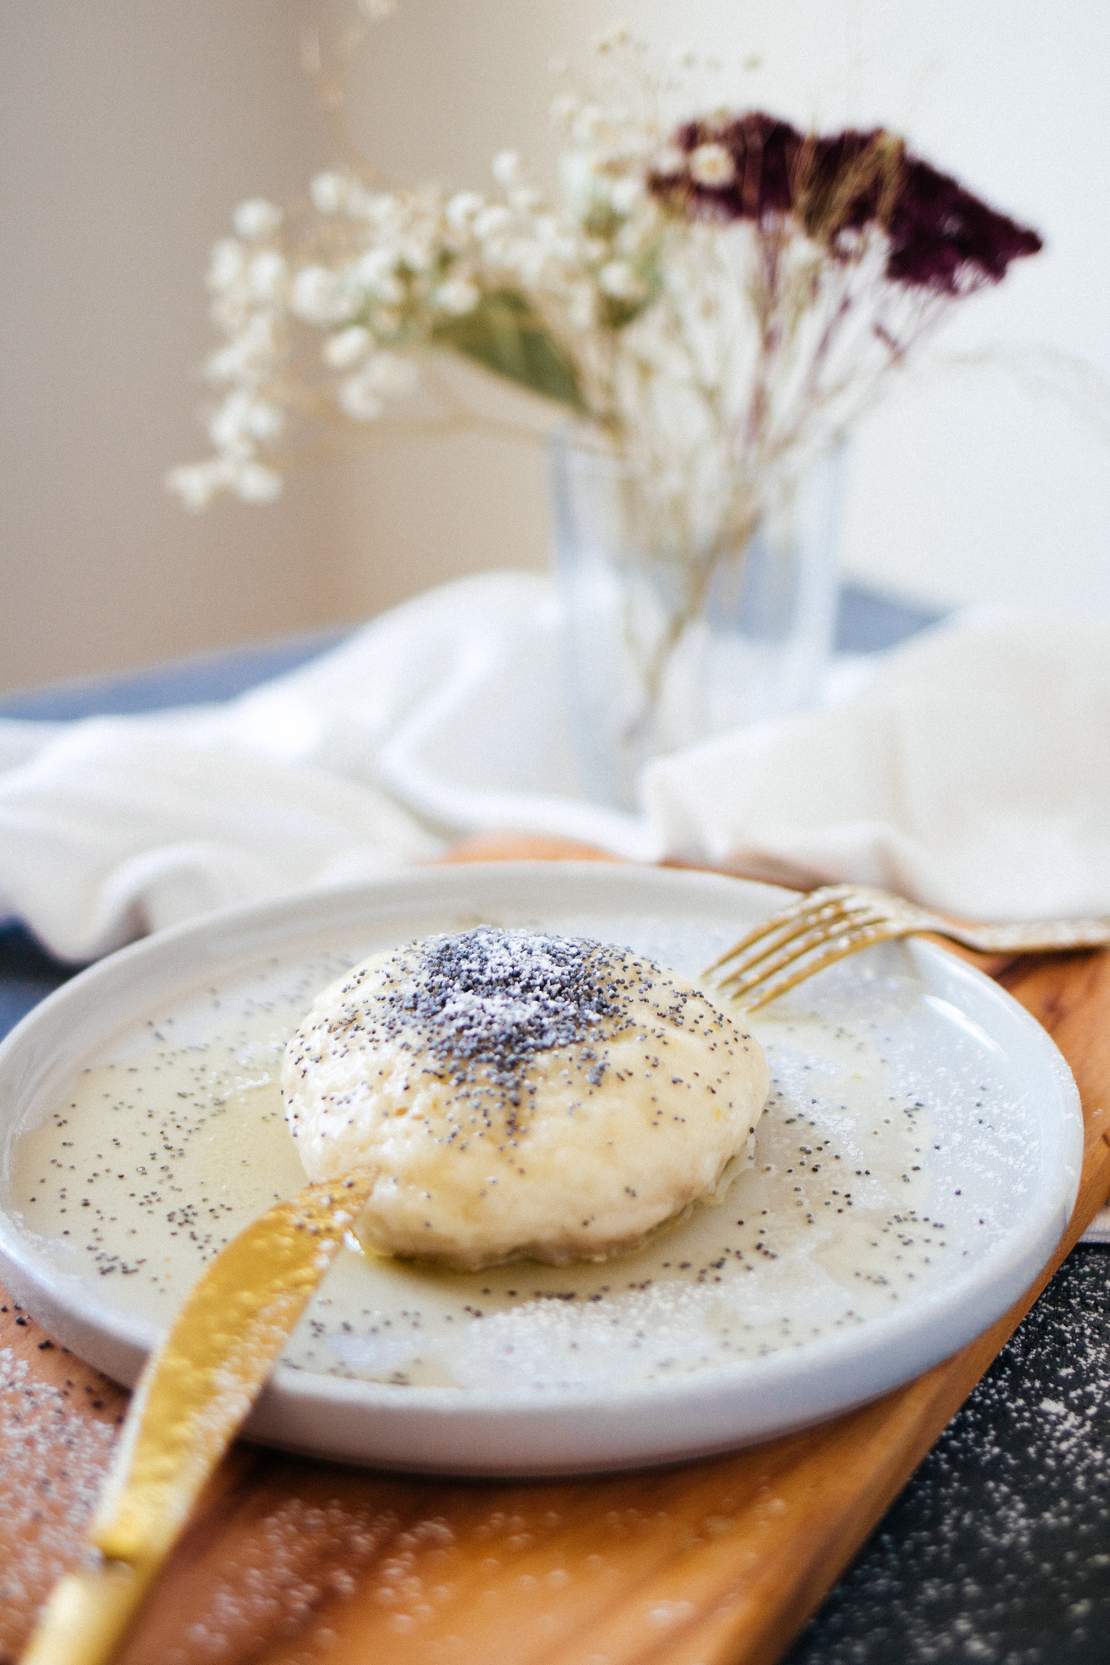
(667, 641)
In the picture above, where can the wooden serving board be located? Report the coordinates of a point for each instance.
(714, 1563)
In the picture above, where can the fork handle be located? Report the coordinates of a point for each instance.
(1047, 935)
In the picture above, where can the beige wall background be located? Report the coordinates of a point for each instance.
(130, 129)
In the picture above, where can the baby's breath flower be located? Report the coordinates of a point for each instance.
(194, 483)
(266, 275)
(225, 429)
(579, 184)
(360, 399)
(618, 280)
(255, 483)
(330, 192)
(457, 296)
(267, 421)
(506, 168)
(377, 270)
(419, 253)
(248, 355)
(376, 207)
(547, 233)
(524, 198)
(226, 264)
(626, 195)
(319, 296)
(256, 219)
(461, 209)
(630, 239)
(347, 346)
(710, 164)
(226, 364)
(492, 220)
(668, 163)
(241, 421)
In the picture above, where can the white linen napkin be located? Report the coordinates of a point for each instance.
(442, 717)
(969, 769)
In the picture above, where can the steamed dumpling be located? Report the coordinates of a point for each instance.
(521, 1095)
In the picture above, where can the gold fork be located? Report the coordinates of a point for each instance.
(829, 924)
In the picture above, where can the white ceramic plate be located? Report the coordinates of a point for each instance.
(917, 1163)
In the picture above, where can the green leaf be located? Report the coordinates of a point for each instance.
(504, 334)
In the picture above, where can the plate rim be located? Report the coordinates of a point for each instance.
(970, 1300)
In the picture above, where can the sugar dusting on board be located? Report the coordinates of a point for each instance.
(998, 1552)
(54, 1450)
(162, 1149)
(1014, 1490)
(287, 1577)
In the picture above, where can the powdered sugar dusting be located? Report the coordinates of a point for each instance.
(283, 1579)
(54, 1450)
(999, 1551)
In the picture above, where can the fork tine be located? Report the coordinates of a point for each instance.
(823, 912)
(798, 946)
(819, 924)
(881, 930)
(808, 906)
(816, 924)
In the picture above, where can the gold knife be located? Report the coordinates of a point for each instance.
(191, 1400)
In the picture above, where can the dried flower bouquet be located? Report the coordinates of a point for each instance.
(713, 303)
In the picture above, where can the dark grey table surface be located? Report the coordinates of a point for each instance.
(998, 1551)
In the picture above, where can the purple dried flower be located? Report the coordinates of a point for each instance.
(941, 237)
(764, 153)
(945, 239)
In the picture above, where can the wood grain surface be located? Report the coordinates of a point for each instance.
(713, 1563)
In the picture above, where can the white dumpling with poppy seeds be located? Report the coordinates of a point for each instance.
(522, 1095)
